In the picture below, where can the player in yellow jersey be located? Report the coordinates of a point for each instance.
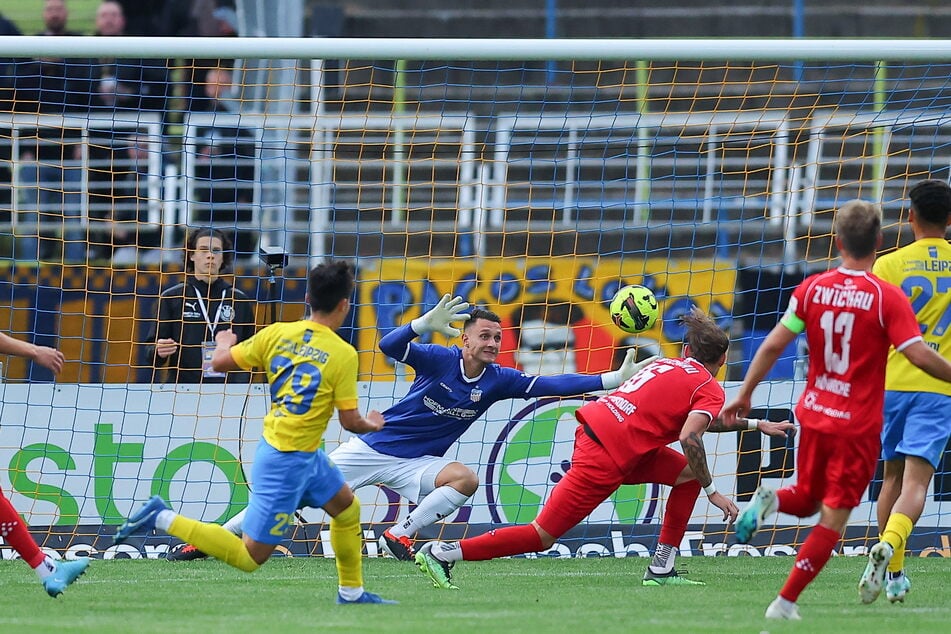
(311, 371)
(917, 406)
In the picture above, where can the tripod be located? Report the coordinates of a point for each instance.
(272, 270)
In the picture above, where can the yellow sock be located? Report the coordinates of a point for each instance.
(346, 538)
(896, 533)
(215, 540)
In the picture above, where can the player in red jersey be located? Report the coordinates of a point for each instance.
(850, 318)
(54, 575)
(622, 438)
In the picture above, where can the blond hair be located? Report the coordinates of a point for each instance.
(706, 339)
(858, 224)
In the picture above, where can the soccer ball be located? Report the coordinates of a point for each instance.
(634, 309)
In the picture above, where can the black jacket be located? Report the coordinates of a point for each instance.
(180, 318)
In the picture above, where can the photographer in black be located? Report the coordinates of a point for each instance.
(192, 312)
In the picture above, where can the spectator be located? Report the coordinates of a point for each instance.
(128, 83)
(139, 85)
(51, 170)
(128, 238)
(55, 16)
(182, 18)
(217, 90)
(191, 313)
(210, 22)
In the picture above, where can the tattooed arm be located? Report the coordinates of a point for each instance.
(691, 440)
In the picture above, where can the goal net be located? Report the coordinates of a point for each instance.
(533, 178)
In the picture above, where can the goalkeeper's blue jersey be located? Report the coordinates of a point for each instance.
(443, 403)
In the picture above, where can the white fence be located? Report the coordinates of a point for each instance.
(311, 175)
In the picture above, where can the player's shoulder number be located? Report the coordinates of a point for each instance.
(637, 381)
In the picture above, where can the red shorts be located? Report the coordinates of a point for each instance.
(835, 469)
(594, 476)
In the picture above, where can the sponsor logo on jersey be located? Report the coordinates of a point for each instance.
(456, 412)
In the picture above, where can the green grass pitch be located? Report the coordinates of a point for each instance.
(514, 595)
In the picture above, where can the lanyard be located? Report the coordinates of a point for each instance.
(204, 310)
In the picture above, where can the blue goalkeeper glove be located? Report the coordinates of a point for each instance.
(613, 379)
(440, 318)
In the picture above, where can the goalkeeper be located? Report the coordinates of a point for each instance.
(453, 387)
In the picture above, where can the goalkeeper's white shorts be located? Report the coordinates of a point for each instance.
(412, 478)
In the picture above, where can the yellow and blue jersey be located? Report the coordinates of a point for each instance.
(923, 271)
(311, 371)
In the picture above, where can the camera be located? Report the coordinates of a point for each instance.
(273, 257)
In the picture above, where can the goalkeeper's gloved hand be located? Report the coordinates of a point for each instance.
(440, 318)
(611, 380)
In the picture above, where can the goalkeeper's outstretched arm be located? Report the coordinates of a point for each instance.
(572, 384)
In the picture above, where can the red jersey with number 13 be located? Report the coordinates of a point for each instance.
(649, 410)
(851, 318)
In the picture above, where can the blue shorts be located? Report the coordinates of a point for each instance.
(916, 424)
(282, 482)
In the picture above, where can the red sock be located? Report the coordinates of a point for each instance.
(811, 559)
(502, 542)
(680, 503)
(14, 531)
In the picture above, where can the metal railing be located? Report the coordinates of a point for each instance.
(311, 175)
(98, 149)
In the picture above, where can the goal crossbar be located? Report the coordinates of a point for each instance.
(484, 49)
